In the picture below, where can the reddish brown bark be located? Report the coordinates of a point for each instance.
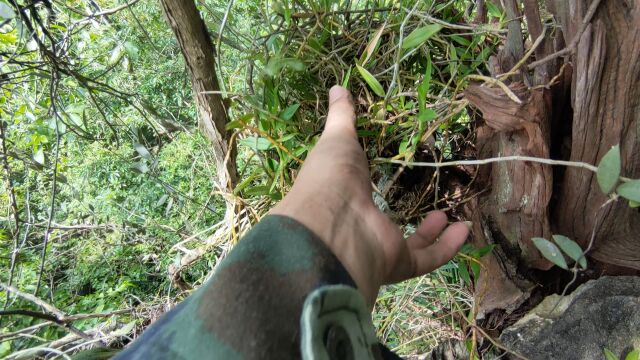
(528, 200)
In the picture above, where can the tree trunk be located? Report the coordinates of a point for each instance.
(199, 54)
(593, 104)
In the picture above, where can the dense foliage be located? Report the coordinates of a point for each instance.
(108, 182)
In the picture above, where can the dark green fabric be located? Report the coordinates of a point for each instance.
(251, 307)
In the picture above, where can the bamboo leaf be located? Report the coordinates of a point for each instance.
(572, 249)
(608, 355)
(345, 81)
(550, 252)
(372, 45)
(373, 83)
(630, 190)
(288, 113)
(609, 170)
(420, 35)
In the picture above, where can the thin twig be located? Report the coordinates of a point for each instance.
(396, 65)
(576, 164)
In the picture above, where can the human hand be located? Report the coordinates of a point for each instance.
(332, 196)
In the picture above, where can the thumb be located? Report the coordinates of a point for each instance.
(342, 116)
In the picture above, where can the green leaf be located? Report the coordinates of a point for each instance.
(125, 330)
(140, 167)
(572, 249)
(276, 64)
(464, 272)
(420, 35)
(6, 12)
(288, 113)
(550, 252)
(345, 81)
(633, 355)
(609, 170)
(372, 45)
(423, 88)
(257, 191)
(116, 54)
(634, 204)
(630, 190)
(608, 355)
(132, 51)
(38, 156)
(142, 151)
(256, 143)
(373, 83)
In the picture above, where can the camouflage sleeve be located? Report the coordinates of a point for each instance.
(279, 294)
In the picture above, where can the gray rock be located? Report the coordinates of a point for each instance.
(603, 313)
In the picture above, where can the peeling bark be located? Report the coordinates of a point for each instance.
(594, 105)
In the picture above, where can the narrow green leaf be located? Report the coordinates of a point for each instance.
(345, 81)
(464, 273)
(633, 355)
(420, 35)
(634, 204)
(373, 83)
(288, 113)
(116, 55)
(142, 151)
(608, 355)
(372, 45)
(256, 143)
(235, 124)
(550, 252)
(257, 191)
(630, 190)
(572, 249)
(609, 170)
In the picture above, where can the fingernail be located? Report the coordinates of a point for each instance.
(336, 92)
(469, 224)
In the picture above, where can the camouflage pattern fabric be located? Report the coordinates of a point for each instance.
(251, 308)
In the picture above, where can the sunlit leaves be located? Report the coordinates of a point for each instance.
(609, 170)
(6, 12)
(38, 156)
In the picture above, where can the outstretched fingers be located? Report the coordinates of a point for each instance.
(428, 231)
(429, 258)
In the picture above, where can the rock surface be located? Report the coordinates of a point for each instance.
(603, 313)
